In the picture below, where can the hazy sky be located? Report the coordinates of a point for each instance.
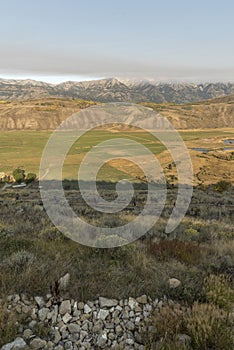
(57, 40)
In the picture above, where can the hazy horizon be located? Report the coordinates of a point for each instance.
(62, 40)
(61, 79)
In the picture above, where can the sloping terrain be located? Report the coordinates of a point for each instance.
(216, 113)
(47, 113)
(43, 114)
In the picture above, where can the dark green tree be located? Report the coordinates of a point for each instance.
(30, 177)
(19, 175)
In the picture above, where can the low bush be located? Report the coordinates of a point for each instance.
(19, 261)
(209, 327)
(222, 186)
(219, 291)
(205, 326)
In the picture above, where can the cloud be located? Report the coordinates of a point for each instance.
(19, 60)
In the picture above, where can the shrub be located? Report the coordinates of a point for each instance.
(209, 327)
(218, 291)
(220, 258)
(19, 261)
(168, 322)
(222, 186)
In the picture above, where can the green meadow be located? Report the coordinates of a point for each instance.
(24, 148)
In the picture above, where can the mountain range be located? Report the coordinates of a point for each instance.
(115, 90)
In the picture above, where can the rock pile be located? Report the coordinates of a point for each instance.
(100, 324)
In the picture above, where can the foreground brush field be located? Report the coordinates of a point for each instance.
(200, 254)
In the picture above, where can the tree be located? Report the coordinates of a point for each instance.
(30, 177)
(19, 175)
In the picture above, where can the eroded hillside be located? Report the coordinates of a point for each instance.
(47, 113)
(216, 113)
(44, 114)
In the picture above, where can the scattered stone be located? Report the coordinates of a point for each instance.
(87, 309)
(18, 344)
(102, 315)
(64, 281)
(26, 309)
(98, 325)
(132, 303)
(40, 301)
(68, 345)
(57, 336)
(65, 307)
(119, 329)
(81, 306)
(130, 326)
(67, 317)
(142, 299)
(104, 302)
(102, 339)
(38, 343)
(32, 324)
(174, 283)
(184, 339)
(42, 313)
(73, 328)
(27, 334)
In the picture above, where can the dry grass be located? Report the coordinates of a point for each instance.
(208, 327)
(8, 324)
(185, 252)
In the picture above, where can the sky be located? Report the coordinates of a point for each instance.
(59, 40)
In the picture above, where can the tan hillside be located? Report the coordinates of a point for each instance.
(217, 113)
(47, 113)
(43, 114)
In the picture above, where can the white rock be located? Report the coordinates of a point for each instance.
(66, 318)
(64, 281)
(87, 309)
(40, 301)
(18, 343)
(38, 343)
(104, 302)
(102, 315)
(174, 283)
(42, 313)
(57, 336)
(132, 303)
(65, 307)
(142, 299)
(102, 339)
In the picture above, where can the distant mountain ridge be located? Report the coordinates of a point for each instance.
(115, 90)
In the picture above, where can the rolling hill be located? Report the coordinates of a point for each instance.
(48, 113)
